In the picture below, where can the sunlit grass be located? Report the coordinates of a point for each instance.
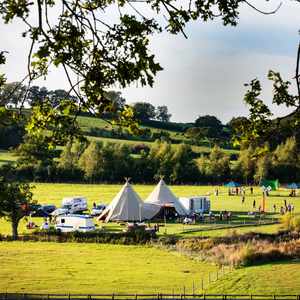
(94, 268)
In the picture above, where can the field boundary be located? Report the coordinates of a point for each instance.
(229, 226)
(155, 296)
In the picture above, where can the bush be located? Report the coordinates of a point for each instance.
(133, 237)
(296, 224)
(290, 222)
(287, 222)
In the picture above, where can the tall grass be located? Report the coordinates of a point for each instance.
(243, 250)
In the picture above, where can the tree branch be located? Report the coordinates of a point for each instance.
(261, 11)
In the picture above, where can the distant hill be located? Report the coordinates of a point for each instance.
(102, 130)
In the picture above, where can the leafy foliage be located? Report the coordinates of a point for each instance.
(100, 52)
(15, 200)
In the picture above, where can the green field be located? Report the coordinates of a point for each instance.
(275, 278)
(6, 157)
(47, 193)
(98, 268)
(196, 149)
(94, 268)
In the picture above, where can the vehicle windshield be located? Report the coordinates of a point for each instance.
(67, 206)
(100, 207)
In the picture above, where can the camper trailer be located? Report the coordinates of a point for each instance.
(71, 205)
(68, 223)
(197, 204)
(76, 204)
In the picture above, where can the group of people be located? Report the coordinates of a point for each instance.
(286, 208)
(226, 215)
(239, 191)
(45, 225)
(293, 193)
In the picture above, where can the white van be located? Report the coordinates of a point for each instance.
(197, 204)
(68, 223)
(71, 205)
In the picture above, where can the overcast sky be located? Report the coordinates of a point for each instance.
(204, 74)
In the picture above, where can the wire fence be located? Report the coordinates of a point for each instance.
(158, 296)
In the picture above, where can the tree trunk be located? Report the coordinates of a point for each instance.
(14, 226)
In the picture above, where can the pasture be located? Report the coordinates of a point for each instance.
(271, 279)
(98, 268)
(49, 193)
(6, 157)
(95, 268)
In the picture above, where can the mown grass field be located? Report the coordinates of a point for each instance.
(98, 268)
(269, 279)
(47, 193)
(95, 268)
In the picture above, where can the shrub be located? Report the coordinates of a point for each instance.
(98, 236)
(296, 224)
(290, 222)
(287, 222)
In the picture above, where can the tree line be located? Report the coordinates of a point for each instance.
(83, 161)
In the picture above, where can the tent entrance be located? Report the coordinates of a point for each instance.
(167, 212)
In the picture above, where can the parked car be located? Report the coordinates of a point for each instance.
(98, 209)
(42, 210)
(34, 208)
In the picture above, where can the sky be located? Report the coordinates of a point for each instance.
(206, 73)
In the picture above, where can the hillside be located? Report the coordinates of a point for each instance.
(102, 130)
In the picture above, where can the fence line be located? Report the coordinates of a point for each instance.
(158, 296)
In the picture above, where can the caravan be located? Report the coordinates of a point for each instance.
(68, 223)
(71, 205)
(196, 204)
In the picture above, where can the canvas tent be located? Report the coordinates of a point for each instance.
(274, 184)
(126, 206)
(163, 198)
(232, 184)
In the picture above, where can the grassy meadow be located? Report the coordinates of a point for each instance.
(98, 268)
(48, 193)
(6, 157)
(94, 268)
(268, 279)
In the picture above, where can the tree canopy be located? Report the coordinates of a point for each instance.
(15, 201)
(96, 52)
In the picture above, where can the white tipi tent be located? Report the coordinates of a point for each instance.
(126, 206)
(162, 196)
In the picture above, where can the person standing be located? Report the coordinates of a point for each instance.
(251, 190)
(254, 203)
